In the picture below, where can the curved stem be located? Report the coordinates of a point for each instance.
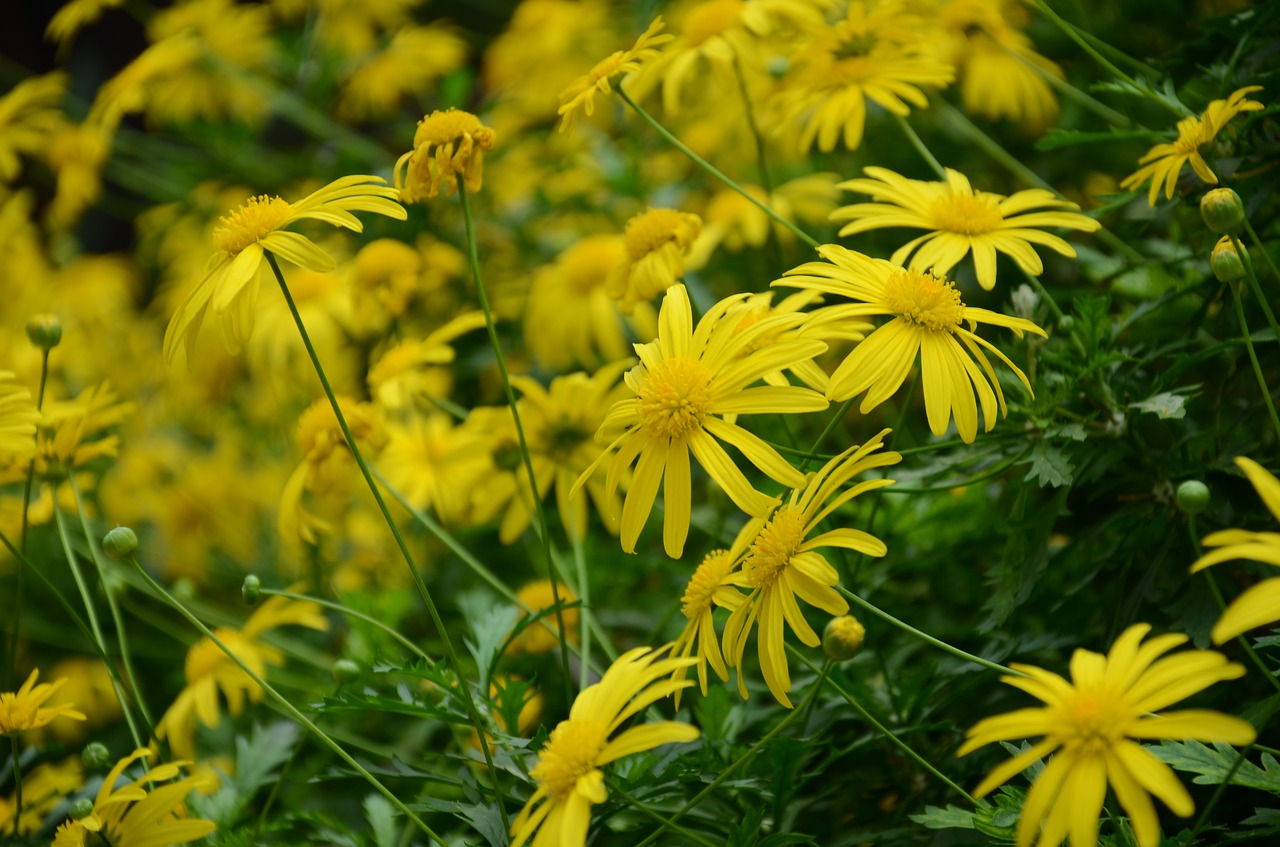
(827, 430)
(1257, 242)
(917, 143)
(350, 612)
(1253, 280)
(20, 589)
(1253, 358)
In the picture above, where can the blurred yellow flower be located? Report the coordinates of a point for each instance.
(411, 63)
(580, 95)
(657, 242)
(448, 146)
(74, 16)
(401, 378)
(29, 116)
(18, 419)
(43, 787)
(541, 636)
(24, 709)
(434, 464)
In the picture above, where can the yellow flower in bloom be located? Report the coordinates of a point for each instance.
(400, 378)
(66, 437)
(434, 464)
(707, 590)
(29, 116)
(42, 788)
(229, 291)
(543, 635)
(756, 307)
(687, 380)
(18, 419)
(580, 95)
(132, 816)
(1259, 604)
(210, 671)
(657, 242)
(783, 564)
(962, 221)
(1091, 724)
(25, 709)
(568, 770)
(928, 320)
(447, 146)
(1163, 163)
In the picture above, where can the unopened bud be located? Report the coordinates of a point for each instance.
(120, 543)
(96, 756)
(1192, 497)
(345, 670)
(251, 590)
(1226, 263)
(1222, 210)
(80, 809)
(45, 331)
(842, 638)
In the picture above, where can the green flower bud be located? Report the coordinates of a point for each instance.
(96, 756)
(1222, 210)
(80, 809)
(1226, 262)
(120, 543)
(251, 590)
(1192, 497)
(1066, 323)
(842, 638)
(345, 670)
(44, 331)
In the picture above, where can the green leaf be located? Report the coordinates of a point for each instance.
(490, 625)
(1166, 405)
(382, 820)
(952, 817)
(1049, 466)
(1214, 763)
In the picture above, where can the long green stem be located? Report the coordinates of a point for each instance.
(352, 613)
(919, 144)
(20, 589)
(17, 776)
(284, 703)
(744, 758)
(615, 788)
(1253, 358)
(465, 692)
(584, 611)
(715, 172)
(1070, 92)
(1070, 32)
(1255, 285)
(826, 431)
(1257, 242)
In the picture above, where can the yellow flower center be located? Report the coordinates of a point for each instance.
(255, 220)
(570, 754)
(16, 713)
(966, 214)
(648, 232)
(1191, 136)
(774, 547)
(447, 126)
(710, 19)
(704, 582)
(1096, 720)
(675, 397)
(925, 300)
(562, 437)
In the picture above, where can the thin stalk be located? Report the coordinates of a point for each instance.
(553, 573)
(715, 172)
(1255, 285)
(1253, 358)
(288, 707)
(766, 182)
(879, 727)
(615, 788)
(467, 698)
(17, 777)
(743, 759)
(1257, 242)
(584, 611)
(350, 612)
(20, 589)
(917, 143)
(830, 427)
(1070, 32)
(1070, 92)
(926, 637)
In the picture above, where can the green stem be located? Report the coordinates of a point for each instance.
(284, 703)
(743, 759)
(1253, 358)
(1255, 285)
(1070, 32)
(1257, 242)
(553, 572)
(466, 694)
(766, 182)
(615, 788)
(917, 143)
(17, 776)
(350, 612)
(716, 172)
(1217, 793)
(20, 589)
(879, 727)
(1070, 92)
(924, 636)
(584, 611)
(827, 430)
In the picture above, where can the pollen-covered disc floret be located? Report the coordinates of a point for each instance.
(924, 299)
(448, 147)
(674, 396)
(255, 220)
(657, 242)
(772, 550)
(569, 755)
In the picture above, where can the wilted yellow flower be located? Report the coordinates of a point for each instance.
(657, 242)
(448, 146)
(581, 93)
(25, 709)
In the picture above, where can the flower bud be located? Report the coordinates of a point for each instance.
(345, 670)
(842, 638)
(80, 809)
(251, 590)
(96, 756)
(1222, 210)
(44, 331)
(120, 543)
(1192, 497)
(1226, 262)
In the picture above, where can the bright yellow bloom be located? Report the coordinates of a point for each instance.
(24, 709)
(132, 816)
(580, 95)
(1259, 604)
(541, 636)
(706, 591)
(229, 291)
(210, 671)
(447, 146)
(688, 379)
(1091, 723)
(1163, 163)
(18, 419)
(962, 221)
(568, 771)
(928, 320)
(43, 787)
(658, 240)
(783, 564)
(434, 464)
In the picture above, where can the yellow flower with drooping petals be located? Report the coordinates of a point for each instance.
(708, 589)
(448, 146)
(657, 240)
(580, 95)
(24, 709)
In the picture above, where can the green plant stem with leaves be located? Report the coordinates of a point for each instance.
(352, 613)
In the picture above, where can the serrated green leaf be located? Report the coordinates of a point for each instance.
(952, 817)
(1214, 763)
(1166, 405)
(1049, 466)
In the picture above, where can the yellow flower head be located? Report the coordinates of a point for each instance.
(707, 590)
(543, 635)
(24, 709)
(1092, 723)
(928, 321)
(29, 116)
(434, 464)
(962, 220)
(43, 787)
(71, 433)
(1259, 604)
(580, 95)
(243, 238)
(568, 770)
(447, 146)
(18, 419)
(657, 240)
(1163, 163)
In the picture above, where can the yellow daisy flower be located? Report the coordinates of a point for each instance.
(568, 770)
(962, 221)
(447, 146)
(1259, 604)
(24, 709)
(580, 95)
(1163, 163)
(18, 419)
(229, 291)
(706, 591)
(687, 380)
(928, 320)
(657, 240)
(1091, 724)
(434, 464)
(783, 564)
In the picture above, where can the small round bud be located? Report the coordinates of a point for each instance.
(44, 331)
(120, 543)
(80, 809)
(251, 590)
(1192, 497)
(1066, 323)
(1226, 263)
(184, 589)
(1222, 210)
(842, 638)
(96, 756)
(345, 670)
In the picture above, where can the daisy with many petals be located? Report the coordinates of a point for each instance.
(229, 291)
(928, 319)
(783, 563)
(568, 773)
(687, 381)
(580, 95)
(24, 709)
(961, 221)
(1092, 723)
(1163, 163)
(1259, 604)
(708, 589)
